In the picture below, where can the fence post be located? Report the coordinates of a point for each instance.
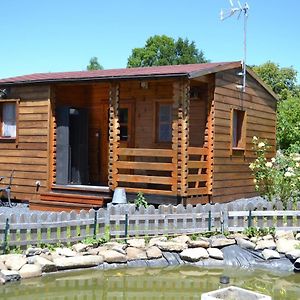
(209, 220)
(250, 219)
(95, 224)
(126, 226)
(5, 235)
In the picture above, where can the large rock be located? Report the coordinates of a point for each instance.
(80, 247)
(268, 237)
(245, 244)
(153, 252)
(111, 245)
(237, 235)
(2, 266)
(135, 253)
(294, 254)
(9, 275)
(221, 242)
(194, 254)
(15, 262)
(265, 244)
(29, 271)
(215, 253)
(112, 256)
(198, 243)
(171, 246)
(155, 240)
(181, 239)
(65, 252)
(285, 246)
(32, 251)
(268, 254)
(298, 236)
(78, 262)
(119, 249)
(46, 265)
(282, 234)
(136, 243)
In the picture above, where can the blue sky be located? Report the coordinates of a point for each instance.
(62, 35)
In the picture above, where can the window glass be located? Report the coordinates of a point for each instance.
(165, 123)
(9, 120)
(238, 129)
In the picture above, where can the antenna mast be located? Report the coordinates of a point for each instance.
(227, 14)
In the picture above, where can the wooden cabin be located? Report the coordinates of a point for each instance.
(179, 134)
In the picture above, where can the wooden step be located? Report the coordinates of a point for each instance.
(54, 201)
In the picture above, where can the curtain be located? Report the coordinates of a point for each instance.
(9, 120)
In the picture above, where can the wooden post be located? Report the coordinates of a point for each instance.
(114, 134)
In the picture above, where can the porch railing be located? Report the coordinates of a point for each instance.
(197, 171)
(151, 171)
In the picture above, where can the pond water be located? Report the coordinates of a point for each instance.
(184, 282)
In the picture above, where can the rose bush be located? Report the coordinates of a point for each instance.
(277, 178)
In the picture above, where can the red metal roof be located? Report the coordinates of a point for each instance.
(191, 70)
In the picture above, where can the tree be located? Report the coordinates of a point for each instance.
(283, 81)
(94, 64)
(288, 124)
(161, 50)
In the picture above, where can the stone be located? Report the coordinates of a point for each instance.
(284, 245)
(137, 264)
(119, 249)
(110, 245)
(267, 237)
(47, 256)
(65, 252)
(245, 244)
(161, 262)
(9, 275)
(194, 254)
(215, 253)
(254, 239)
(136, 243)
(293, 255)
(181, 239)
(32, 251)
(80, 247)
(29, 271)
(2, 266)
(46, 265)
(269, 254)
(154, 240)
(15, 261)
(63, 263)
(171, 246)
(2, 280)
(198, 243)
(153, 252)
(237, 235)
(112, 256)
(135, 253)
(172, 258)
(298, 236)
(93, 251)
(221, 242)
(265, 244)
(282, 234)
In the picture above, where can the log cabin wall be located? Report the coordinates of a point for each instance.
(95, 98)
(232, 177)
(28, 155)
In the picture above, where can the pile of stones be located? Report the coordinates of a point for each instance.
(158, 252)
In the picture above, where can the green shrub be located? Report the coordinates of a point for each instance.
(140, 200)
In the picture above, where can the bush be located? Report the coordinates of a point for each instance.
(278, 178)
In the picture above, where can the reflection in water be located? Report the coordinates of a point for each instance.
(185, 282)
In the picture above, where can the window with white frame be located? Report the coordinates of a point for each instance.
(8, 120)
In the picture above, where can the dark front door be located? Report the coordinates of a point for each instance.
(72, 146)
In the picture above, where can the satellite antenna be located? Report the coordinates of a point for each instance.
(238, 8)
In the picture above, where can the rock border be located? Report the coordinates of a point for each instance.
(280, 252)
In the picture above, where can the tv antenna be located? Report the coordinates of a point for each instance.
(238, 8)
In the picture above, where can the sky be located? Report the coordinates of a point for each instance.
(40, 36)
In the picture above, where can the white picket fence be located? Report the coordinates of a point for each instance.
(118, 221)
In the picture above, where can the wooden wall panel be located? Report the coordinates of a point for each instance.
(28, 156)
(232, 177)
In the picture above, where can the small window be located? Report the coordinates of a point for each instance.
(164, 122)
(238, 129)
(8, 120)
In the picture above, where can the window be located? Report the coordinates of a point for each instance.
(8, 120)
(164, 122)
(238, 129)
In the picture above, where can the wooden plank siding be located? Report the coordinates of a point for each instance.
(232, 177)
(28, 155)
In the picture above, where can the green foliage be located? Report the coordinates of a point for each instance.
(259, 232)
(283, 81)
(94, 64)
(288, 124)
(278, 178)
(140, 200)
(161, 50)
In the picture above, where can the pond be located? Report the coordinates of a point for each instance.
(183, 282)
